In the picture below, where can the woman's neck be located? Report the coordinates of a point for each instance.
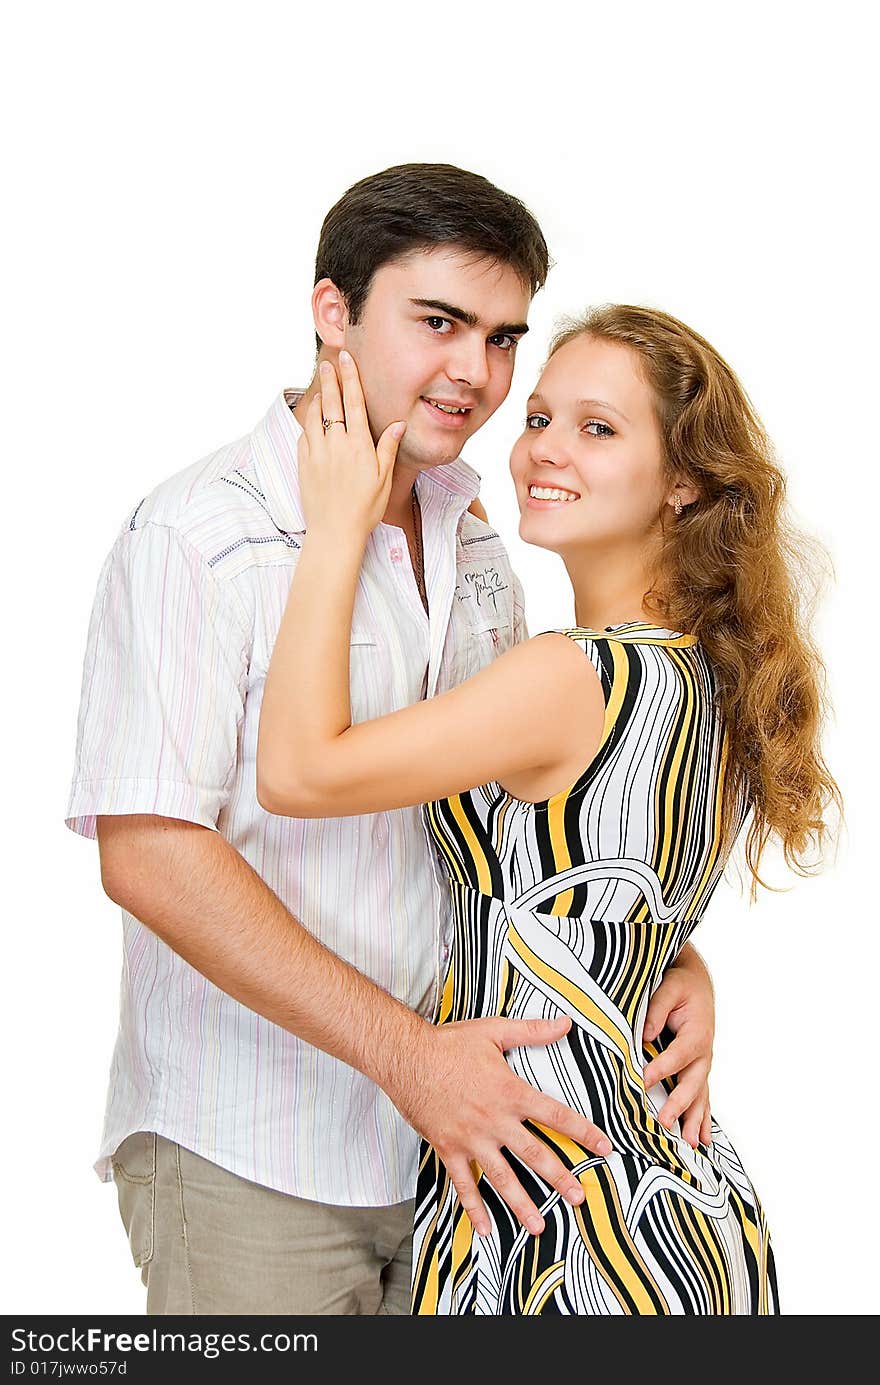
(609, 588)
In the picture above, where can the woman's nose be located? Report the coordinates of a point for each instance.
(547, 451)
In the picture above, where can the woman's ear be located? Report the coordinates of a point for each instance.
(330, 313)
(688, 495)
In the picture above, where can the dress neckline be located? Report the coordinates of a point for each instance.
(637, 631)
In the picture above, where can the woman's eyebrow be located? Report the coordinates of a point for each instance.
(581, 403)
(512, 329)
(603, 404)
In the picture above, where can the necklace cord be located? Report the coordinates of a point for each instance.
(420, 555)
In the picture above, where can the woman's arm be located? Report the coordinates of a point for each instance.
(538, 706)
(530, 709)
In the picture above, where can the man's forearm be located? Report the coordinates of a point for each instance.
(451, 1083)
(199, 895)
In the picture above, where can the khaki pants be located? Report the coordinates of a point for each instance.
(207, 1241)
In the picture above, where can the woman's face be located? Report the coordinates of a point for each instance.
(588, 467)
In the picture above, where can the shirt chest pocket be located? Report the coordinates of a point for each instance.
(365, 686)
(482, 622)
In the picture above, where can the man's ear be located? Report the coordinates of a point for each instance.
(330, 313)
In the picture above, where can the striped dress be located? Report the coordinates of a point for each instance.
(577, 905)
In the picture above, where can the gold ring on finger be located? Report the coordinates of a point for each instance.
(327, 423)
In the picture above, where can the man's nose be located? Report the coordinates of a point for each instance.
(469, 364)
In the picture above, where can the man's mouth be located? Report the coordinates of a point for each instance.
(449, 408)
(451, 413)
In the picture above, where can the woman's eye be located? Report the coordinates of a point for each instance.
(606, 430)
(537, 420)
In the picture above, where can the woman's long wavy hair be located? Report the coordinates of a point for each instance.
(736, 573)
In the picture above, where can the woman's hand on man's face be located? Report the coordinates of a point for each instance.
(345, 479)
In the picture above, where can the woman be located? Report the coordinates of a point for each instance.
(584, 792)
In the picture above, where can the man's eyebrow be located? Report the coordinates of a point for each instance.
(510, 329)
(580, 403)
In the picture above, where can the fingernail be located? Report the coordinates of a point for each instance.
(574, 1196)
(604, 1147)
(535, 1225)
(398, 430)
(325, 367)
(345, 358)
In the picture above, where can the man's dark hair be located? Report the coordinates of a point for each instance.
(418, 206)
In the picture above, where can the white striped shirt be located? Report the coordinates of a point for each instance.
(188, 606)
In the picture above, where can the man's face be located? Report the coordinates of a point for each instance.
(438, 328)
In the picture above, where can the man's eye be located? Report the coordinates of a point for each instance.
(537, 420)
(504, 340)
(607, 432)
(438, 323)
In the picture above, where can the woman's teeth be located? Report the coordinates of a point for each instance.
(551, 493)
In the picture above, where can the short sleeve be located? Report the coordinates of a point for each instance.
(163, 686)
(520, 629)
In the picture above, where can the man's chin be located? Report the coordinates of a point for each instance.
(425, 455)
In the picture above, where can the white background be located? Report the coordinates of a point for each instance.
(168, 172)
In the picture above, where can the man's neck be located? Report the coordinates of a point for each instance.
(399, 508)
(301, 408)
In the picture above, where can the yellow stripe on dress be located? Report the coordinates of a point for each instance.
(447, 997)
(712, 856)
(441, 841)
(687, 776)
(608, 1238)
(709, 1240)
(462, 1246)
(590, 1011)
(672, 781)
(543, 1288)
(577, 998)
(562, 904)
(478, 856)
(619, 683)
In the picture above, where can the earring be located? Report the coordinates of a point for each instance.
(677, 505)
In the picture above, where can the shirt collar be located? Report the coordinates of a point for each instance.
(274, 442)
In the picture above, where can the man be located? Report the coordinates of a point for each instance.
(275, 1058)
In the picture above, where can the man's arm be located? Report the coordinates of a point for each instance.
(451, 1082)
